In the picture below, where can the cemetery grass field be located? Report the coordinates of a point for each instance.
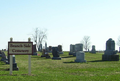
(62, 70)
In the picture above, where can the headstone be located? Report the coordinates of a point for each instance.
(78, 47)
(14, 63)
(72, 49)
(110, 54)
(43, 53)
(80, 56)
(34, 50)
(55, 53)
(60, 49)
(93, 49)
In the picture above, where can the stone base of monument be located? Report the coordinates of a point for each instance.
(56, 58)
(34, 53)
(15, 66)
(60, 52)
(110, 57)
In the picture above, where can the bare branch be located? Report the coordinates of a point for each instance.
(39, 36)
(86, 42)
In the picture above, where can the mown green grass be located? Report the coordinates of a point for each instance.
(62, 70)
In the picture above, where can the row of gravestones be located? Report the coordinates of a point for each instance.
(49, 49)
(7, 60)
(55, 53)
(110, 54)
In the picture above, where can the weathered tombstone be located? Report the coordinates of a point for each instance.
(14, 63)
(34, 50)
(43, 53)
(60, 49)
(93, 49)
(55, 53)
(110, 54)
(72, 49)
(80, 56)
(50, 49)
(78, 47)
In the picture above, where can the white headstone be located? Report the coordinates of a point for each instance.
(80, 56)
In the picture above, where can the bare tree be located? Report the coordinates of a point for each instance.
(86, 42)
(39, 36)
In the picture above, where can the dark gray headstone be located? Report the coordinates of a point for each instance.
(93, 49)
(110, 54)
(34, 50)
(55, 53)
